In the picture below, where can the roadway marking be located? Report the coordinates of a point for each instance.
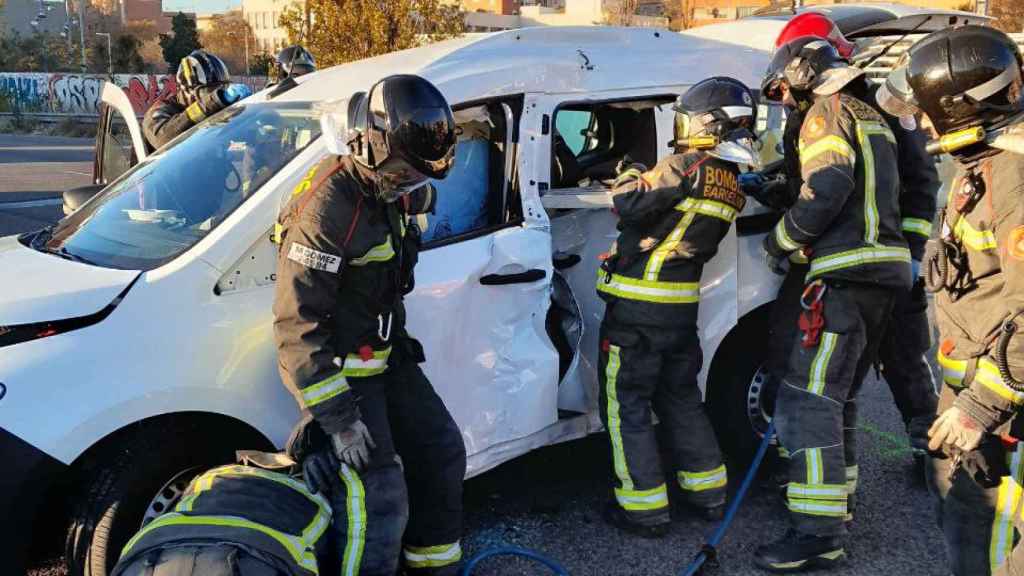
(31, 203)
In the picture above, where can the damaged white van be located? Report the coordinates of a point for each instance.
(136, 345)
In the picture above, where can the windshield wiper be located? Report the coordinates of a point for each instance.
(67, 255)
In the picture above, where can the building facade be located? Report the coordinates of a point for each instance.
(264, 17)
(569, 13)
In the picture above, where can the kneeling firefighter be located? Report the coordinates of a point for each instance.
(204, 88)
(236, 521)
(671, 220)
(348, 248)
(968, 82)
(846, 221)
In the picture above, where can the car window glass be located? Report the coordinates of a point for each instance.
(572, 126)
(470, 197)
(771, 123)
(118, 151)
(172, 200)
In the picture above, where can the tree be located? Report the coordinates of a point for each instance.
(680, 14)
(1009, 14)
(227, 38)
(126, 56)
(621, 12)
(182, 40)
(346, 30)
(261, 64)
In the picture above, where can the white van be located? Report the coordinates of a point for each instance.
(136, 345)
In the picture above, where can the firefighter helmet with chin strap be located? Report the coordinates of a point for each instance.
(717, 115)
(967, 80)
(198, 70)
(807, 65)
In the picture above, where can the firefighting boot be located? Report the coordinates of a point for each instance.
(616, 516)
(851, 505)
(683, 510)
(796, 552)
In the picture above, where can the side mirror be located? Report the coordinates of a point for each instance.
(74, 198)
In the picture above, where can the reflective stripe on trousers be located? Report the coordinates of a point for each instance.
(432, 556)
(1007, 504)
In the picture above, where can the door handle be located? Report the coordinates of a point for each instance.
(517, 278)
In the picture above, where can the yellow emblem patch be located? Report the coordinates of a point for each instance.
(1016, 243)
(815, 126)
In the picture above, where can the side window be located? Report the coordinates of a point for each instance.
(771, 123)
(477, 195)
(572, 126)
(118, 152)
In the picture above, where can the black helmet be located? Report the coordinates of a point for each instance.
(200, 68)
(716, 110)
(960, 77)
(404, 131)
(293, 61)
(807, 65)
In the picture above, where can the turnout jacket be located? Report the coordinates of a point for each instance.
(269, 513)
(919, 179)
(671, 220)
(846, 220)
(167, 118)
(980, 299)
(345, 262)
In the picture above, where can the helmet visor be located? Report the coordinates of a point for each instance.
(895, 96)
(396, 177)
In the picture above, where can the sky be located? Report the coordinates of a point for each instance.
(200, 6)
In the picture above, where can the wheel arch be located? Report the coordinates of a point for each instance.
(754, 321)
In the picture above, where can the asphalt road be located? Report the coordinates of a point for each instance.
(550, 500)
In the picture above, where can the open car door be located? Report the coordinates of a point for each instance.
(119, 145)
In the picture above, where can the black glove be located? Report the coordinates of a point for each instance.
(320, 471)
(211, 99)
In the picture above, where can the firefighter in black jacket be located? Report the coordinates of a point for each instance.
(903, 352)
(204, 88)
(348, 249)
(968, 82)
(847, 223)
(671, 220)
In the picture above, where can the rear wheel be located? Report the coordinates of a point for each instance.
(137, 476)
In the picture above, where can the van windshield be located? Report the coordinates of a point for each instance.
(167, 204)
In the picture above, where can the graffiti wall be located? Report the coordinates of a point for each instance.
(79, 94)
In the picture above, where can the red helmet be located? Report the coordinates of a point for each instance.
(816, 25)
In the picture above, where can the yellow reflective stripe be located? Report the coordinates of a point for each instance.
(614, 420)
(356, 367)
(712, 208)
(918, 226)
(816, 491)
(195, 113)
(783, 453)
(325, 390)
(953, 371)
(306, 183)
(355, 509)
(296, 548)
(701, 481)
(988, 376)
(666, 247)
(798, 257)
(857, 257)
(819, 366)
(1007, 502)
(815, 472)
(852, 476)
(817, 507)
(641, 500)
(877, 129)
(870, 206)
(432, 556)
(379, 253)
(830, 143)
(782, 237)
(648, 290)
(972, 238)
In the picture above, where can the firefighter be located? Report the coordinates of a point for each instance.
(846, 222)
(671, 220)
(235, 521)
(903, 351)
(967, 81)
(204, 88)
(292, 62)
(348, 248)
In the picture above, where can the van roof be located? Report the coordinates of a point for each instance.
(547, 59)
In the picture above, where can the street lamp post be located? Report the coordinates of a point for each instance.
(81, 32)
(110, 56)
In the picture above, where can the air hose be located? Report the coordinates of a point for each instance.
(708, 553)
(555, 567)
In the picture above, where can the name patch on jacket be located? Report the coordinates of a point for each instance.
(314, 259)
(722, 185)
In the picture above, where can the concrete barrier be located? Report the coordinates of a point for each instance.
(78, 95)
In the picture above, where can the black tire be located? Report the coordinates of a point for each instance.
(120, 482)
(734, 385)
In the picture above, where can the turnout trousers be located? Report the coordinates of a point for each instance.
(902, 353)
(815, 413)
(408, 502)
(201, 560)
(644, 368)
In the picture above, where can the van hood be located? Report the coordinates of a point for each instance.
(39, 287)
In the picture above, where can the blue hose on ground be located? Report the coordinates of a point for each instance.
(708, 551)
(555, 567)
